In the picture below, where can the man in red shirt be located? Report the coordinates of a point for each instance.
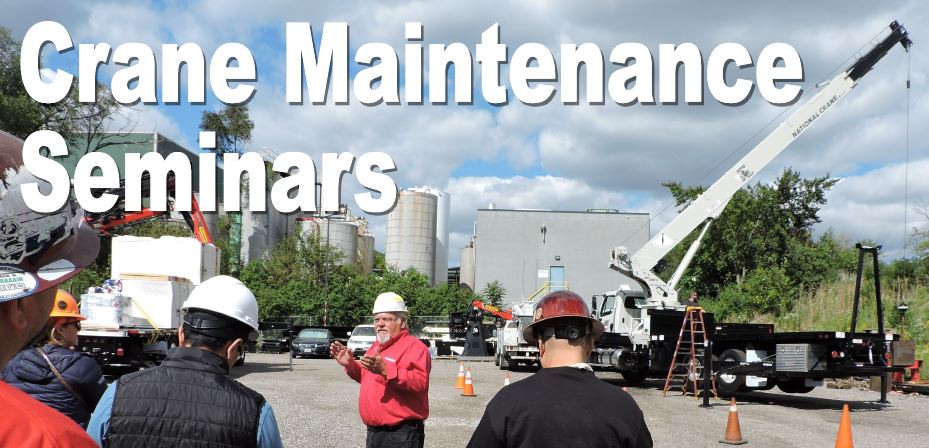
(38, 251)
(394, 377)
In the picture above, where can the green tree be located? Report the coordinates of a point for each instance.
(493, 293)
(296, 276)
(764, 228)
(301, 276)
(75, 121)
(20, 115)
(380, 262)
(232, 126)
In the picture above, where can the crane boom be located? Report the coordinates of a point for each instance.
(710, 204)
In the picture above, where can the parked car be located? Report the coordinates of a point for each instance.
(361, 339)
(311, 342)
(275, 341)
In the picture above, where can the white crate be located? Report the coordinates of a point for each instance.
(156, 300)
(166, 256)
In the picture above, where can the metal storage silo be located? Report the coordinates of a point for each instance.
(411, 233)
(336, 232)
(366, 253)
(467, 265)
(441, 231)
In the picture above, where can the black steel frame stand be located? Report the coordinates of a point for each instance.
(880, 308)
(707, 372)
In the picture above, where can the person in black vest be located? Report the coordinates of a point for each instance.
(189, 400)
(564, 404)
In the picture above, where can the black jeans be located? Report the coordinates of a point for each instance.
(408, 434)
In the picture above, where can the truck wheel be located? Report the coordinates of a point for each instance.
(728, 384)
(504, 363)
(497, 360)
(634, 377)
(794, 386)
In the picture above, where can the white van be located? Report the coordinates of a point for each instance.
(361, 339)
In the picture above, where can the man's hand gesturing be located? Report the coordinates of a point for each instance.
(341, 353)
(374, 363)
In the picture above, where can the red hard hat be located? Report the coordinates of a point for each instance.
(38, 250)
(557, 305)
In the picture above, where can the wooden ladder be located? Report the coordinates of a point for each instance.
(687, 362)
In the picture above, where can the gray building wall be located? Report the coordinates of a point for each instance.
(511, 247)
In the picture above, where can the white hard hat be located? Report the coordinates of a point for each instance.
(227, 296)
(389, 302)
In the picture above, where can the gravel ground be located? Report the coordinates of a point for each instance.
(316, 406)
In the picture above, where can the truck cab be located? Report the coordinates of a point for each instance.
(624, 312)
(512, 349)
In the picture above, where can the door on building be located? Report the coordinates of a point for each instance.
(556, 278)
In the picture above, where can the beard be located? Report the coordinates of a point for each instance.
(382, 338)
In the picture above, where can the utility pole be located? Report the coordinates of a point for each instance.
(326, 274)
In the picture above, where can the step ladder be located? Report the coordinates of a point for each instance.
(687, 363)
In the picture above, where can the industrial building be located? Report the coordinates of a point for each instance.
(417, 233)
(533, 251)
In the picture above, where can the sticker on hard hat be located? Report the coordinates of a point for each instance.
(15, 283)
(538, 314)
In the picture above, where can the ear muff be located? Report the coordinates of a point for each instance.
(569, 332)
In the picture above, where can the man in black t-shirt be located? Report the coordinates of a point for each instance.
(564, 404)
(693, 300)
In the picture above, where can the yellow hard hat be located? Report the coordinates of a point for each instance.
(65, 306)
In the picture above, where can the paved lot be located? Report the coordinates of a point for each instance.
(316, 406)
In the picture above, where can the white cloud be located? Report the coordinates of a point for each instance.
(871, 206)
(149, 119)
(591, 156)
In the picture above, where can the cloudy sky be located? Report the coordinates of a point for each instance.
(556, 156)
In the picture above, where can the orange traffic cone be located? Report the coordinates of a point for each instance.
(506, 379)
(844, 439)
(460, 382)
(468, 386)
(733, 431)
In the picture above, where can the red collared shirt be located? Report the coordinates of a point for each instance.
(404, 393)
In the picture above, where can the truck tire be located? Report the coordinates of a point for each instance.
(497, 360)
(504, 363)
(730, 384)
(794, 386)
(634, 377)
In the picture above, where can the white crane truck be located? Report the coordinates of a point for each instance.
(642, 324)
